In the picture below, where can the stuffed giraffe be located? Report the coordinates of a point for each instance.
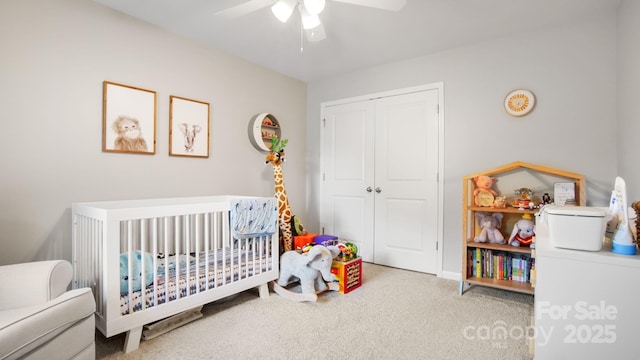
(286, 219)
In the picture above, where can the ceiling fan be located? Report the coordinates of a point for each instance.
(308, 9)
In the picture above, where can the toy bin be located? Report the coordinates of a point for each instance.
(325, 240)
(348, 273)
(301, 240)
(576, 227)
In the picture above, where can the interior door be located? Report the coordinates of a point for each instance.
(348, 162)
(406, 181)
(380, 186)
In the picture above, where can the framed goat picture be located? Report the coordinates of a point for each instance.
(188, 127)
(128, 119)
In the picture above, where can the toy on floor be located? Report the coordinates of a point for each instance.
(312, 269)
(484, 195)
(490, 225)
(287, 222)
(348, 251)
(296, 226)
(523, 231)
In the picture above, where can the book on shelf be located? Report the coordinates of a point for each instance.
(470, 263)
(501, 265)
(478, 262)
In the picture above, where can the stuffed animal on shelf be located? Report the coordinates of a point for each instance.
(490, 225)
(484, 195)
(500, 202)
(136, 271)
(312, 269)
(523, 231)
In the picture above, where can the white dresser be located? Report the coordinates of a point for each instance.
(587, 304)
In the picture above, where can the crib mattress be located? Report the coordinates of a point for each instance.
(211, 270)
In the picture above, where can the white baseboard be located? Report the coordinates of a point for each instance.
(449, 275)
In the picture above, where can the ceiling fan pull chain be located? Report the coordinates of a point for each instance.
(301, 38)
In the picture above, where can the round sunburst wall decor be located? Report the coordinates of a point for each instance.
(519, 102)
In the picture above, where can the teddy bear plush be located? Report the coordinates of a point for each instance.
(483, 184)
(136, 271)
(523, 232)
(490, 225)
(500, 202)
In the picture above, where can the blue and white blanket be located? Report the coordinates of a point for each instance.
(253, 217)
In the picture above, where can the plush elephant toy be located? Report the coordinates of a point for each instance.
(490, 225)
(523, 232)
(312, 269)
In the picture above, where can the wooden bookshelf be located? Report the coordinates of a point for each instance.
(524, 173)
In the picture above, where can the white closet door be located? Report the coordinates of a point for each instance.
(347, 156)
(380, 185)
(406, 183)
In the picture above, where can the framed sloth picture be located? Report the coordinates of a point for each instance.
(128, 119)
(188, 127)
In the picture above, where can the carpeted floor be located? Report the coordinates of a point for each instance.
(395, 314)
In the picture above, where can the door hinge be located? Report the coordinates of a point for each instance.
(438, 108)
(322, 232)
(324, 122)
(324, 178)
(436, 246)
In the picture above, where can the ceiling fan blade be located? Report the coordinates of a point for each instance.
(391, 5)
(244, 8)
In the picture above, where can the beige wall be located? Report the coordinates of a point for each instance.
(57, 53)
(55, 56)
(572, 71)
(628, 94)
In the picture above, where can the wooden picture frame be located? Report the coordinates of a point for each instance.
(128, 119)
(188, 127)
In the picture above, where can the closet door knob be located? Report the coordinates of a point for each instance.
(369, 189)
(378, 190)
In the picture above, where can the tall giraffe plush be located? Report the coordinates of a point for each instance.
(285, 216)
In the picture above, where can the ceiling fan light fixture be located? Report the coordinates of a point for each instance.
(283, 9)
(309, 21)
(314, 7)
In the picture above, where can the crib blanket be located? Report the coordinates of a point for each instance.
(253, 217)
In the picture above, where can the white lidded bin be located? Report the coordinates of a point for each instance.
(576, 227)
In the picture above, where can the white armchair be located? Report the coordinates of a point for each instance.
(39, 318)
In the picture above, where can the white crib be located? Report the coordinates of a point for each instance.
(197, 249)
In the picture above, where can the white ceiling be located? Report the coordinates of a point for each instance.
(357, 36)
